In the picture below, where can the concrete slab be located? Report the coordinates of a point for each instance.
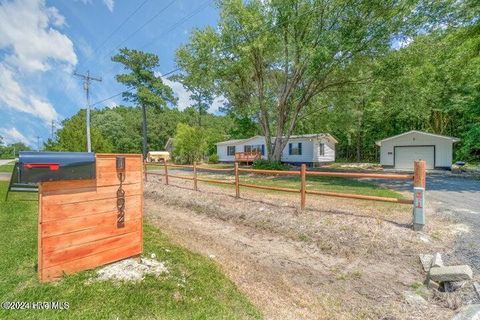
(451, 273)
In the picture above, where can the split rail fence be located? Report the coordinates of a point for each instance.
(418, 178)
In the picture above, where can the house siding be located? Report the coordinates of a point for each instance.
(443, 148)
(310, 150)
(329, 151)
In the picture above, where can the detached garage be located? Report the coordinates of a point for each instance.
(402, 150)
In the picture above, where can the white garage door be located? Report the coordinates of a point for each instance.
(405, 156)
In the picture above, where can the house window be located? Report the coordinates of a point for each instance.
(322, 149)
(260, 148)
(230, 150)
(295, 149)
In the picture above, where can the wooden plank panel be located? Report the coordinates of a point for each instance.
(66, 240)
(78, 219)
(59, 211)
(108, 178)
(91, 248)
(142, 206)
(58, 227)
(91, 262)
(39, 233)
(108, 163)
(72, 196)
(51, 186)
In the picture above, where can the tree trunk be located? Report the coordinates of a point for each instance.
(359, 142)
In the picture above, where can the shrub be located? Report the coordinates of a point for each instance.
(269, 165)
(213, 158)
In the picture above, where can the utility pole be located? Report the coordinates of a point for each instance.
(144, 131)
(38, 143)
(53, 129)
(86, 86)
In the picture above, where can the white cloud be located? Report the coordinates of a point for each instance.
(31, 44)
(109, 4)
(13, 96)
(12, 135)
(26, 31)
(217, 103)
(183, 95)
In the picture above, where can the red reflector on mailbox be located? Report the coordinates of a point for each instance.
(51, 166)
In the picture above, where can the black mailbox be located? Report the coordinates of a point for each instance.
(50, 166)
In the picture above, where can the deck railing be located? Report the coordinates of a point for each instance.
(247, 156)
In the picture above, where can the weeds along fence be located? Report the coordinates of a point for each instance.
(418, 179)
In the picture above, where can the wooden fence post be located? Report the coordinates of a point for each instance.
(419, 174)
(195, 175)
(303, 185)
(166, 171)
(237, 181)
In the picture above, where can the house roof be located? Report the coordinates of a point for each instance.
(236, 141)
(313, 135)
(379, 142)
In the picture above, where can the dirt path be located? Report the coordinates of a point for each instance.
(343, 261)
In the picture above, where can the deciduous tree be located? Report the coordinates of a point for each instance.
(271, 58)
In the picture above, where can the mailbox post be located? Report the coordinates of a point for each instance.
(90, 208)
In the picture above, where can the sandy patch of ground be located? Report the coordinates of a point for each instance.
(342, 259)
(130, 270)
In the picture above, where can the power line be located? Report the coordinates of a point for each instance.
(120, 25)
(140, 28)
(128, 90)
(224, 48)
(172, 27)
(104, 41)
(178, 23)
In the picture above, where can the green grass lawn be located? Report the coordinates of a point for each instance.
(157, 166)
(333, 184)
(6, 167)
(194, 288)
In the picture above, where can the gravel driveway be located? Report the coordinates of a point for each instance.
(5, 161)
(458, 199)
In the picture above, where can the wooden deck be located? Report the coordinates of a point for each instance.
(247, 156)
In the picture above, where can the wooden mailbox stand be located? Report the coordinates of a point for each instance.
(77, 222)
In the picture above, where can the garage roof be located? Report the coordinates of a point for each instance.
(379, 142)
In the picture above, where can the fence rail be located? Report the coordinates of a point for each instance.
(418, 180)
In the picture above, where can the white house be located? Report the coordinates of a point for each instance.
(310, 149)
(402, 150)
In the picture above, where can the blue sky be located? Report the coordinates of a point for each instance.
(43, 42)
